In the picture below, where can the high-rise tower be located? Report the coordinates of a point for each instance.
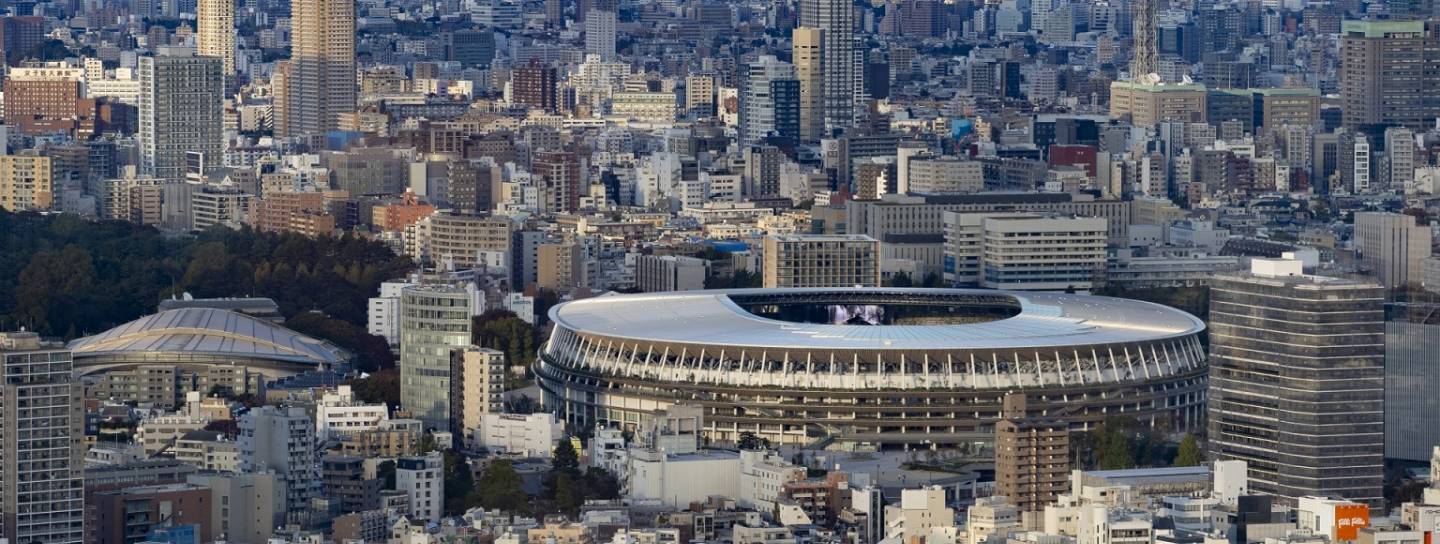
(1297, 382)
(807, 53)
(42, 489)
(181, 111)
(1145, 60)
(319, 81)
(215, 32)
(836, 20)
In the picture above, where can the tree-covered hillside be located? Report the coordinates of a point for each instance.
(70, 277)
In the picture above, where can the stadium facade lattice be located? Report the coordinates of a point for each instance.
(878, 367)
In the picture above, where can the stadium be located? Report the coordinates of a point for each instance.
(197, 338)
(871, 367)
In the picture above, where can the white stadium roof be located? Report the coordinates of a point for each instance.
(711, 317)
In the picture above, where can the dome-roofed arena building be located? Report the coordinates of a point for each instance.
(882, 367)
(194, 338)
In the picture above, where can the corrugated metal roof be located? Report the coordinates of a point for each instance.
(209, 331)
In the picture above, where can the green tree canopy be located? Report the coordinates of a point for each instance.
(500, 488)
(1189, 455)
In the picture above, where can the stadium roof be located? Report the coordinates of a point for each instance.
(209, 331)
(711, 317)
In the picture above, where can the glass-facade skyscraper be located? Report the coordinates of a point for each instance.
(1297, 377)
(434, 319)
(1412, 340)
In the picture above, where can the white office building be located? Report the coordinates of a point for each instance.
(423, 481)
(339, 414)
(1024, 251)
(282, 440)
(382, 315)
(531, 435)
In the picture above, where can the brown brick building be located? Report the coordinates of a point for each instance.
(45, 100)
(303, 213)
(122, 516)
(1032, 457)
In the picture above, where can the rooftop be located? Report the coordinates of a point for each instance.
(712, 318)
(209, 331)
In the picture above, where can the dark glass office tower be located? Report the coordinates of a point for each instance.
(1297, 383)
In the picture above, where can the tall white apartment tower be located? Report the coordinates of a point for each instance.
(282, 440)
(181, 111)
(42, 488)
(600, 34)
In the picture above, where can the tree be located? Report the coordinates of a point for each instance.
(500, 488)
(382, 386)
(503, 330)
(932, 280)
(87, 276)
(1190, 455)
(901, 279)
(601, 485)
(568, 495)
(1117, 451)
(565, 460)
(227, 426)
(520, 403)
(748, 441)
(371, 352)
(427, 444)
(460, 490)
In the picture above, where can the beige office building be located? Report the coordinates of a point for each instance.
(1392, 247)
(806, 51)
(469, 241)
(477, 387)
(215, 32)
(26, 182)
(822, 260)
(318, 83)
(1148, 105)
(945, 176)
(670, 273)
(1024, 251)
(562, 267)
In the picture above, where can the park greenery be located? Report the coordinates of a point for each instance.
(74, 277)
(1125, 442)
(565, 487)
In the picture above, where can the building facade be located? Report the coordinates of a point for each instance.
(670, 273)
(477, 387)
(1388, 72)
(215, 32)
(434, 319)
(318, 83)
(1027, 252)
(1392, 247)
(282, 440)
(821, 261)
(1297, 381)
(1412, 338)
(42, 442)
(1032, 457)
(181, 111)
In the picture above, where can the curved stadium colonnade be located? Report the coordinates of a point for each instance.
(889, 367)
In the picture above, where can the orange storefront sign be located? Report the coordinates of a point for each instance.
(1349, 519)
